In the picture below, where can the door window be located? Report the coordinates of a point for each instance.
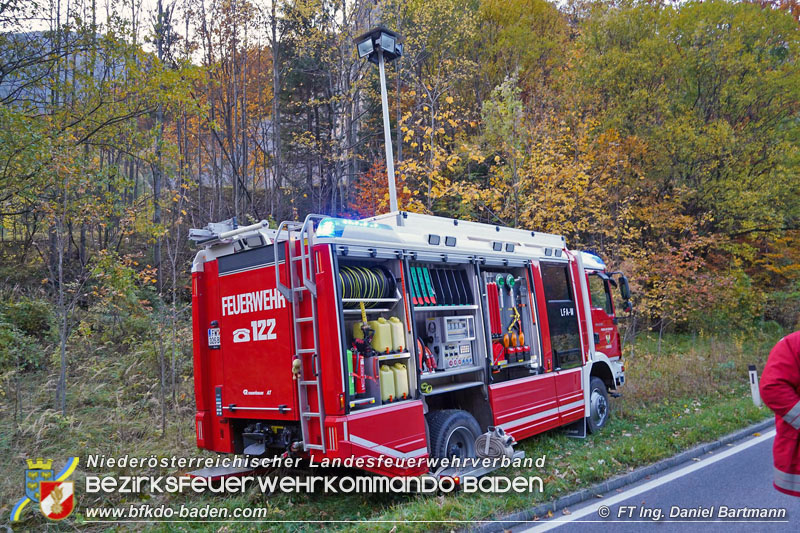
(598, 289)
(562, 315)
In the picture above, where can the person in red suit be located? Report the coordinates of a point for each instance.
(780, 390)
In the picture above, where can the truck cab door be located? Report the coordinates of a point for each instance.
(606, 334)
(565, 338)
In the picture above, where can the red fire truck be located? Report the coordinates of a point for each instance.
(402, 336)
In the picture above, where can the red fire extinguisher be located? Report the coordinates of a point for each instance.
(359, 374)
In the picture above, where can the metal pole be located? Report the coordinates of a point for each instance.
(387, 134)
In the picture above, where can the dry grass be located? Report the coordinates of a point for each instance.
(692, 365)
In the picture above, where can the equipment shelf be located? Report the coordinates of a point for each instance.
(423, 308)
(453, 387)
(362, 401)
(389, 356)
(527, 362)
(370, 300)
(454, 372)
(357, 311)
(368, 310)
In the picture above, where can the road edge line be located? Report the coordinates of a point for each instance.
(621, 480)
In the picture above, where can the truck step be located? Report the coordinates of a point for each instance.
(307, 350)
(311, 415)
(305, 319)
(307, 383)
(314, 447)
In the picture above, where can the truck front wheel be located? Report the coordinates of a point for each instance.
(453, 433)
(598, 405)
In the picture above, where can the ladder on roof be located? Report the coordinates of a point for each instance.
(302, 285)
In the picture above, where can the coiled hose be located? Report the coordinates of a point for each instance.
(494, 444)
(365, 283)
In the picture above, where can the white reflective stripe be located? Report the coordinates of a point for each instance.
(793, 416)
(386, 450)
(543, 414)
(787, 481)
(570, 406)
(531, 418)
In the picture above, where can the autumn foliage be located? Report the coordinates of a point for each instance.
(663, 136)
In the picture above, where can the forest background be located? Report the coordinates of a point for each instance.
(662, 136)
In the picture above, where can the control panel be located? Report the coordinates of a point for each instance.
(451, 328)
(454, 355)
(451, 338)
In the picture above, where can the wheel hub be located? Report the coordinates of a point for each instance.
(459, 443)
(599, 407)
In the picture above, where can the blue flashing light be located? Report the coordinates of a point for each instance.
(592, 261)
(334, 227)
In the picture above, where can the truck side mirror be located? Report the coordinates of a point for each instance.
(624, 288)
(627, 306)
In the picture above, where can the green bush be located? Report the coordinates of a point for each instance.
(17, 350)
(784, 307)
(31, 316)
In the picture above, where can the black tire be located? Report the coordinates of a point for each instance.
(599, 408)
(452, 433)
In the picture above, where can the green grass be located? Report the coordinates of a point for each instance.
(695, 392)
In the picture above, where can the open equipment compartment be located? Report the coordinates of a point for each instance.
(512, 326)
(450, 344)
(380, 367)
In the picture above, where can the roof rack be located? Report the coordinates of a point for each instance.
(225, 231)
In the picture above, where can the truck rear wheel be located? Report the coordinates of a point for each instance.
(598, 405)
(453, 433)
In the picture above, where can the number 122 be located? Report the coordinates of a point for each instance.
(258, 329)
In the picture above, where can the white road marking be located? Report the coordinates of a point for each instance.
(608, 502)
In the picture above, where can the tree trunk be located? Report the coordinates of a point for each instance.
(157, 169)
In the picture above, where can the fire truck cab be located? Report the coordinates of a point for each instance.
(403, 336)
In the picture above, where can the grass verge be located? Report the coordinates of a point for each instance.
(694, 391)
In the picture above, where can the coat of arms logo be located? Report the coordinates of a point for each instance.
(55, 495)
(38, 470)
(58, 499)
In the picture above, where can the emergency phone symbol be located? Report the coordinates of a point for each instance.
(263, 330)
(241, 335)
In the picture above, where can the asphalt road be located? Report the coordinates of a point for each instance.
(736, 476)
